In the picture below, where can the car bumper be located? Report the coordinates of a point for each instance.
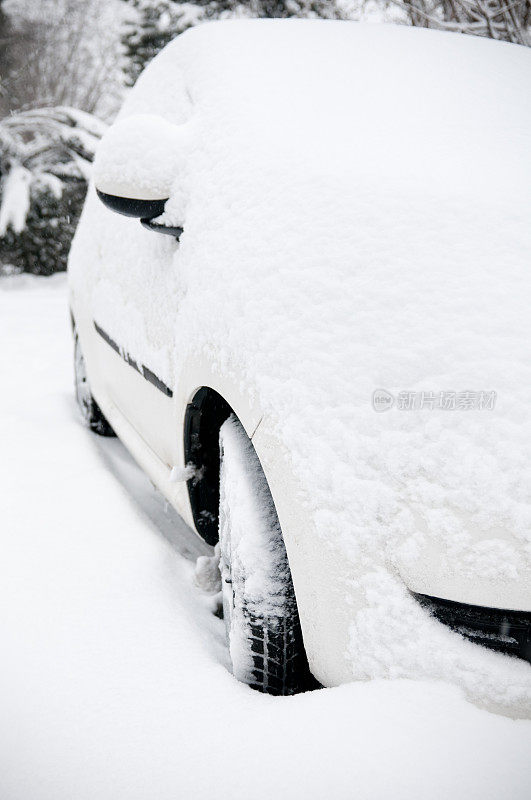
(506, 631)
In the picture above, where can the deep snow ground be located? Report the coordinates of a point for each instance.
(113, 679)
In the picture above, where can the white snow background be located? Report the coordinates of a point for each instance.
(113, 678)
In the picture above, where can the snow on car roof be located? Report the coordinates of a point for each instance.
(343, 97)
(355, 202)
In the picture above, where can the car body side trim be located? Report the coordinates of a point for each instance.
(146, 373)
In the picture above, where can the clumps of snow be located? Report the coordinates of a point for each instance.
(15, 203)
(8, 271)
(206, 575)
(142, 156)
(45, 180)
(181, 474)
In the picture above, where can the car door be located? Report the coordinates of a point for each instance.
(133, 314)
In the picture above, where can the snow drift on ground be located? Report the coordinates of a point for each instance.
(366, 223)
(113, 679)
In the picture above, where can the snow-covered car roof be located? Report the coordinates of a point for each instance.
(322, 98)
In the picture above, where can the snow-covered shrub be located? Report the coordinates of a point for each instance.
(45, 160)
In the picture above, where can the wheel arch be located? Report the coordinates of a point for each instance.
(205, 414)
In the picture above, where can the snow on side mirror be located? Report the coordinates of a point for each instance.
(136, 164)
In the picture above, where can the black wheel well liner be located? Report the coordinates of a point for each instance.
(204, 416)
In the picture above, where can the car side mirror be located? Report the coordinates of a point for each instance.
(136, 163)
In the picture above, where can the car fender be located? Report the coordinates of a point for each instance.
(321, 577)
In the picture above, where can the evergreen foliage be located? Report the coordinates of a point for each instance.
(45, 157)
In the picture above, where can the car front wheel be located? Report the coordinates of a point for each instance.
(259, 606)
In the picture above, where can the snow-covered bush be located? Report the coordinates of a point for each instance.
(45, 160)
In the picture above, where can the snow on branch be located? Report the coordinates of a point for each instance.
(45, 153)
(495, 19)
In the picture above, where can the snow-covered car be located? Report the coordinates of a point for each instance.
(317, 343)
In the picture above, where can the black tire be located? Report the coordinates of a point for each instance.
(91, 414)
(260, 610)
